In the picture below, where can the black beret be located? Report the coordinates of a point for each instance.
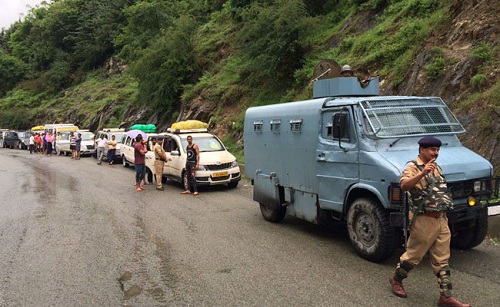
(429, 141)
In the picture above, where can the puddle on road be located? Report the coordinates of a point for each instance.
(134, 290)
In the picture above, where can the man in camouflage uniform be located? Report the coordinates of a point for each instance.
(429, 232)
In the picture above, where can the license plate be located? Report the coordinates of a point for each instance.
(220, 174)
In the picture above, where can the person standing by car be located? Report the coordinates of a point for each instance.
(139, 161)
(38, 143)
(429, 230)
(111, 149)
(49, 139)
(160, 159)
(78, 146)
(57, 138)
(192, 163)
(32, 143)
(72, 144)
(101, 143)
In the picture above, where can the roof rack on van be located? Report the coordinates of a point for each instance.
(179, 131)
(113, 129)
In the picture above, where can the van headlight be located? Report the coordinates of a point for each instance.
(477, 186)
(201, 167)
(234, 163)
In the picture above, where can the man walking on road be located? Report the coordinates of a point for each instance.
(429, 232)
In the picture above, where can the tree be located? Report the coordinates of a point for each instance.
(12, 70)
(167, 65)
(269, 40)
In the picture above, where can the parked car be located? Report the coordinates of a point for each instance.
(127, 150)
(87, 146)
(24, 137)
(120, 136)
(217, 166)
(10, 140)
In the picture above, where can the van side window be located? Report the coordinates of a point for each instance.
(257, 125)
(296, 125)
(170, 145)
(275, 125)
(340, 126)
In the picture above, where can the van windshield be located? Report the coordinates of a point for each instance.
(409, 116)
(206, 144)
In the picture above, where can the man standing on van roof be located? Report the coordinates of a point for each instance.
(429, 232)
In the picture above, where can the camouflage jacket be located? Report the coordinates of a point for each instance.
(432, 197)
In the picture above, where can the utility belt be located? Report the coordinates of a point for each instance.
(158, 159)
(436, 215)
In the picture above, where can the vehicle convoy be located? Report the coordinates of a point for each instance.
(339, 157)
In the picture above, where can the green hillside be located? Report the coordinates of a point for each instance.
(118, 62)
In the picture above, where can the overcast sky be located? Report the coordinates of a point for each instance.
(11, 10)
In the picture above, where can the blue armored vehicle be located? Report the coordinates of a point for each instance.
(340, 155)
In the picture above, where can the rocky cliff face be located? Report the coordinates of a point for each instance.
(472, 22)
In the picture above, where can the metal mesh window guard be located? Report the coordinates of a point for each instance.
(410, 116)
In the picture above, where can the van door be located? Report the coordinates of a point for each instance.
(176, 160)
(337, 156)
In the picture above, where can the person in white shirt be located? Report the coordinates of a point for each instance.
(101, 143)
(32, 143)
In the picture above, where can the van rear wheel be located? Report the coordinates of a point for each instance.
(369, 230)
(271, 213)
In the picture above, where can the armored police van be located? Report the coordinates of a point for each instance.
(340, 155)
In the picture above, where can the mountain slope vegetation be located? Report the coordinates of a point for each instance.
(118, 62)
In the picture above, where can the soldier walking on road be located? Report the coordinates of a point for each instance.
(429, 232)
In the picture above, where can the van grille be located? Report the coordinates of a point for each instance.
(215, 167)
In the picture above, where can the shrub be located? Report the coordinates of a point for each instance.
(478, 81)
(483, 52)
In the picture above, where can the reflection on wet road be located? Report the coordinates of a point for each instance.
(73, 233)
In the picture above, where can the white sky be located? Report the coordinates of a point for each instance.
(11, 10)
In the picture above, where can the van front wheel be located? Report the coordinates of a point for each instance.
(271, 213)
(369, 230)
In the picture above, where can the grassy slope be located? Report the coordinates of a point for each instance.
(383, 43)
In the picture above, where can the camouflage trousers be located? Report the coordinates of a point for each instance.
(428, 234)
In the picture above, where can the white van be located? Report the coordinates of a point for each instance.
(217, 165)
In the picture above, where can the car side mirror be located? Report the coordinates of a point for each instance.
(175, 153)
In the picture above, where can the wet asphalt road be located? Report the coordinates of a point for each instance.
(73, 233)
